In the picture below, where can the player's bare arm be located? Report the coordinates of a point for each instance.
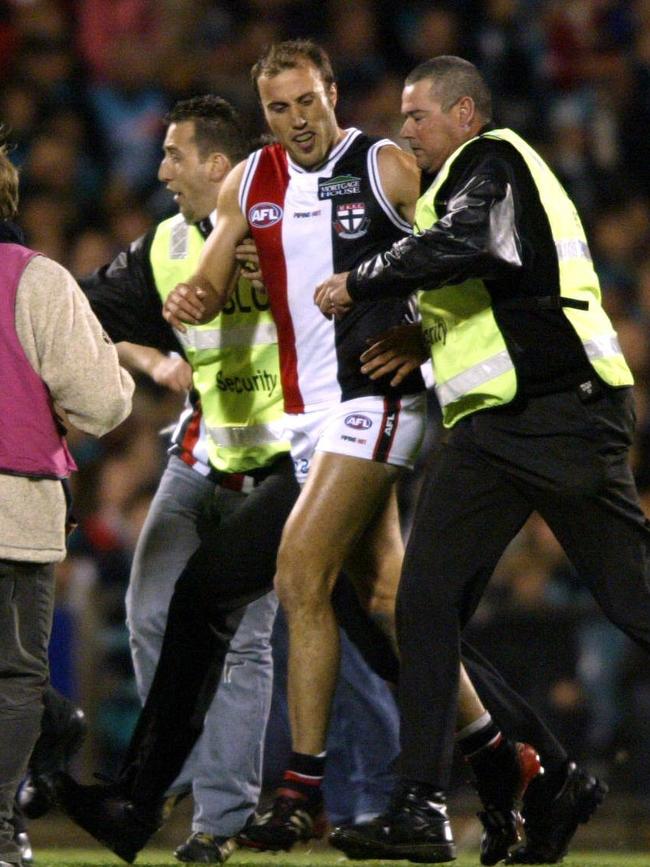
(207, 291)
(400, 179)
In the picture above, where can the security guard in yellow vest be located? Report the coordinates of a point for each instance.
(536, 392)
(234, 359)
(227, 460)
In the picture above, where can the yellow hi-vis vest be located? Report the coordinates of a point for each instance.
(234, 358)
(472, 365)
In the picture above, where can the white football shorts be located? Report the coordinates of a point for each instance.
(388, 430)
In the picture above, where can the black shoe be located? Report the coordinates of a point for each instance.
(502, 777)
(550, 825)
(292, 819)
(415, 827)
(108, 816)
(204, 848)
(63, 731)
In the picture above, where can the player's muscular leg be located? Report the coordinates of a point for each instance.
(374, 566)
(340, 499)
(375, 563)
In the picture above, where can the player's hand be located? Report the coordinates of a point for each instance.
(247, 256)
(172, 372)
(184, 305)
(332, 297)
(398, 351)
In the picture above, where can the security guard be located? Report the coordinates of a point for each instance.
(236, 352)
(226, 445)
(537, 394)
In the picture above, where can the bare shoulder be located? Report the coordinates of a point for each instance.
(395, 162)
(228, 202)
(400, 178)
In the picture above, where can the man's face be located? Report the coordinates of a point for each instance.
(185, 174)
(432, 133)
(299, 109)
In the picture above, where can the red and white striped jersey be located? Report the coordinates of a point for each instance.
(308, 225)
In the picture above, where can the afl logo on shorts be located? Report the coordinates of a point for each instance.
(264, 214)
(358, 422)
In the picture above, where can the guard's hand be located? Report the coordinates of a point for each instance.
(332, 296)
(184, 304)
(248, 257)
(398, 351)
(172, 372)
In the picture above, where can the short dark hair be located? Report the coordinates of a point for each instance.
(217, 126)
(289, 55)
(452, 78)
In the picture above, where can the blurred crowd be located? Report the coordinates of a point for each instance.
(84, 88)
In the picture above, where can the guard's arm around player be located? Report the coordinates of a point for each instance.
(476, 237)
(400, 179)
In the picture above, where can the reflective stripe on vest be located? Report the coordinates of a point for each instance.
(234, 359)
(473, 377)
(492, 367)
(250, 435)
(472, 364)
(262, 334)
(572, 248)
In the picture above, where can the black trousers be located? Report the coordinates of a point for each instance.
(566, 459)
(234, 565)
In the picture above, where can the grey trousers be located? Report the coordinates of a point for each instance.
(26, 608)
(224, 770)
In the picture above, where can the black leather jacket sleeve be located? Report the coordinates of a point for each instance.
(476, 237)
(124, 298)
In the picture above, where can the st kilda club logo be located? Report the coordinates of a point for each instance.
(351, 220)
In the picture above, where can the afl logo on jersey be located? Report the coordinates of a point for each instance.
(351, 220)
(358, 422)
(264, 214)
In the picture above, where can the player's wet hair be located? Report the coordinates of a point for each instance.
(289, 55)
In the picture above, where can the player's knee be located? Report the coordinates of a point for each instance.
(299, 587)
(299, 591)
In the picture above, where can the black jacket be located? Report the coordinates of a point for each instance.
(492, 226)
(124, 298)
